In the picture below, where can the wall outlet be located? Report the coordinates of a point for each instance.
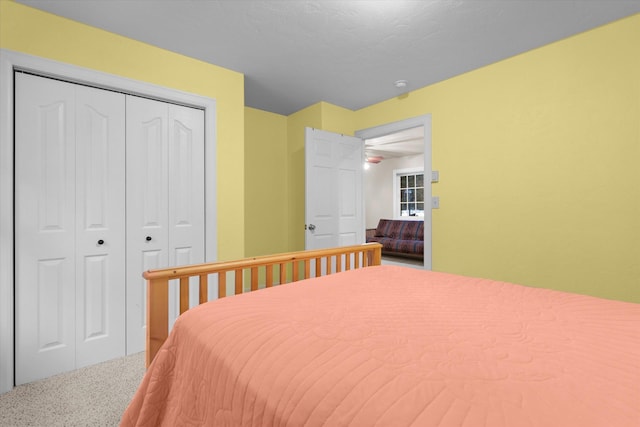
(435, 176)
(435, 202)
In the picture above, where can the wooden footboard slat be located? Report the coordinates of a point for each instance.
(269, 274)
(296, 273)
(238, 281)
(203, 289)
(158, 280)
(222, 284)
(254, 278)
(283, 274)
(184, 294)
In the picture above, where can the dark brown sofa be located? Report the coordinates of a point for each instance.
(399, 237)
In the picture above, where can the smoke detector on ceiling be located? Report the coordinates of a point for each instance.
(401, 84)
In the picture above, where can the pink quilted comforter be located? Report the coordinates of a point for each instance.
(391, 346)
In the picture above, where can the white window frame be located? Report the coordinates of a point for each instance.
(397, 173)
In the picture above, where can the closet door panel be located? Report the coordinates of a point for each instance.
(147, 201)
(186, 193)
(45, 228)
(100, 225)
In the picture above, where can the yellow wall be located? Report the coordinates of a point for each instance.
(539, 164)
(28, 30)
(539, 160)
(266, 166)
(538, 154)
(337, 119)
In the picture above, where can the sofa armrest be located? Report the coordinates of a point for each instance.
(371, 232)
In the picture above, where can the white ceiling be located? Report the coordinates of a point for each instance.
(295, 53)
(408, 142)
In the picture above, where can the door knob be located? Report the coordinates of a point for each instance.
(148, 238)
(101, 242)
(312, 227)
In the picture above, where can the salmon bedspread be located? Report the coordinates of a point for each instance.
(393, 346)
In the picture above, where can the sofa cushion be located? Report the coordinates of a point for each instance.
(400, 229)
(410, 247)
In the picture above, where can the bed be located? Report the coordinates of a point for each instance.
(383, 345)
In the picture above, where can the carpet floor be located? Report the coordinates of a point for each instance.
(92, 396)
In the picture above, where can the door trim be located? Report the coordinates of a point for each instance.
(10, 61)
(398, 126)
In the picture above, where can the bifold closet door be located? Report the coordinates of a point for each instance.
(69, 225)
(100, 226)
(165, 199)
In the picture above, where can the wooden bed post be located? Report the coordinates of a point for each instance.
(157, 316)
(375, 257)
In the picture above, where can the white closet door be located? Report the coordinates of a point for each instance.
(147, 207)
(69, 195)
(100, 225)
(45, 228)
(186, 194)
(165, 201)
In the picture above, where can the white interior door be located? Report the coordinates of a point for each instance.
(69, 176)
(334, 214)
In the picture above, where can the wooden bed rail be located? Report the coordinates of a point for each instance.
(264, 270)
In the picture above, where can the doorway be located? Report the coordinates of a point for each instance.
(411, 129)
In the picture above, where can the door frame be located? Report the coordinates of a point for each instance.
(386, 129)
(11, 61)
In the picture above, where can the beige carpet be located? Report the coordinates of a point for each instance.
(92, 396)
(403, 262)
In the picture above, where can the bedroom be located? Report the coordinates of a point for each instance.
(537, 153)
(533, 152)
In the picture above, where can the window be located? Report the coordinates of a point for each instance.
(412, 194)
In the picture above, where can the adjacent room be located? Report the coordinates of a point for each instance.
(318, 212)
(394, 191)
